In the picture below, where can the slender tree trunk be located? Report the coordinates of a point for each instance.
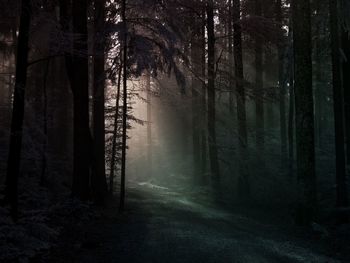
(319, 97)
(281, 78)
(213, 153)
(243, 180)
(319, 89)
(149, 124)
(80, 79)
(304, 114)
(259, 89)
(14, 157)
(11, 84)
(115, 133)
(65, 21)
(195, 87)
(346, 88)
(125, 108)
(291, 103)
(45, 123)
(203, 98)
(342, 197)
(291, 125)
(230, 57)
(98, 178)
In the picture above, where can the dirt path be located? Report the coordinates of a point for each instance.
(163, 226)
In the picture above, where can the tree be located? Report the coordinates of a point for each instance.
(259, 84)
(203, 97)
(243, 181)
(345, 38)
(14, 157)
(149, 123)
(195, 88)
(230, 54)
(281, 77)
(342, 198)
(79, 85)
(125, 106)
(213, 153)
(98, 177)
(291, 97)
(115, 133)
(318, 72)
(304, 112)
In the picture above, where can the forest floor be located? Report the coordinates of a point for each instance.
(162, 225)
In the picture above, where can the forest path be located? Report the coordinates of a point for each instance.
(163, 226)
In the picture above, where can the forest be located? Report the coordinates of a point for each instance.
(174, 131)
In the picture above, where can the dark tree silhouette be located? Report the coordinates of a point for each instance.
(259, 83)
(125, 106)
(213, 151)
(243, 181)
(82, 137)
(342, 198)
(14, 157)
(98, 177)
(304, 111)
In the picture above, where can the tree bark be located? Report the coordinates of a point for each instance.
(149, 124)
(291, 125)
(45, 124)
(341, 187)
(346, 88)
(318, 85)
(304, 112)
(243, 180)
(259, 88)
(195, 87)
(230, 57)
(203, 97)
(125, 108)
(80, 81)
(291, 105)
(14, 157)
(115, 131)
(281, 78)
(213, 153)
(98, 177)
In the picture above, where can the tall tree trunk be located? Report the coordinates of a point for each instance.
(98, 177)
(149, 124)
(291, 124)
(346, 88)
(243, 180)
(125, 108)
(304, 112)
(319, 86)
(14, 157)
(203, 97)
(45, 123)
(80, 82)
(11, 84)
(195, 87)
(281, 78)
(291, 100)
(115, 133)
(65, 21)
(319, 96)
(342, 198)
(259, 89)
(230, 57)
(213, 153)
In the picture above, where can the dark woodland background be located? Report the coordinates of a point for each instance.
(225, 115)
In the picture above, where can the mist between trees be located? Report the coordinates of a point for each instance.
(243, 101)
